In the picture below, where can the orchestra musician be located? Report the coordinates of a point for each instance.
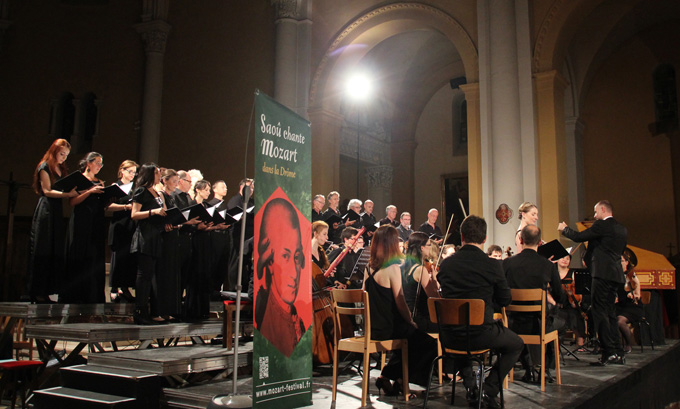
(571, 311)
(46, 251)
(319, 238)
(628, 306)
(418, 274)
(390, 316)
(528, 215)
(528, 270)
(470, 273)
(495, 251)
(85, 277)
(390, 216)
(343, 271)
(606, 239)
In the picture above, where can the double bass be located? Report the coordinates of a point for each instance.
(323, 332)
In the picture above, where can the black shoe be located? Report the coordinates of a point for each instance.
(472, 395)
(142, 319)
(531, 376)
(604, 361)
(386, 385)
(620, 360)
(490, 401)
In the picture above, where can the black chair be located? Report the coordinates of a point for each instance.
(461, 312)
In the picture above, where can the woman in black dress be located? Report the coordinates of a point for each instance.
(390, 316)
(418, 282)
(46, 251)
(123, 266)
(148, 209)
(198, 285)
(166, 284)
(85, 277)
(629, 306)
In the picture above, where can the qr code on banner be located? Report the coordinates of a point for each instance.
(264, 367)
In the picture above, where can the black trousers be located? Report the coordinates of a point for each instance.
(604, 316)
(146, 269)
(506, 343)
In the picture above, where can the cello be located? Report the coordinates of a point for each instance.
(322, 344)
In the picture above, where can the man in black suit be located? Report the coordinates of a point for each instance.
(527, 270)
(606, 239)
(470, 273)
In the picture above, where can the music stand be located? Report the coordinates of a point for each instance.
(583, 281)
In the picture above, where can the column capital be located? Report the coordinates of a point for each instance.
(154, 34)
(550, 79)
(286, 9)
(471, 91)
(379, 176)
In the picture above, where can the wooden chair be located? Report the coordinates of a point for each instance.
(19, 340)
(228, 320)
(536, 295)
(467, 312)
(363, 344)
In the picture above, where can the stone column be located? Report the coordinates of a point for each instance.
(379, 181)
(155, 35)
(574, 157)
(474, 148)
(326, 128)
(403, 159)
(553, 186)
(506, 112)
(293, 53)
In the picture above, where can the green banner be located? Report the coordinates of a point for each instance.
(282, 349)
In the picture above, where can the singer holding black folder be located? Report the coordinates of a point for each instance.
(197, 302)
(167, 288)
(148, 209)
(85, 275)
(123, 265)
(46, 251)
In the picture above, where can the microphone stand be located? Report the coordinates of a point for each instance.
(234, 400)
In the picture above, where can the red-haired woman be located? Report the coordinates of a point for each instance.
(46, 257)
(390, 316)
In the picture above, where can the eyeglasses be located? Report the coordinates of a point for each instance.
(186, 180)
(100, 164)
(129, 171)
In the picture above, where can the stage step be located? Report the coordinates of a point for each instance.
(143, 386)
(69, 398)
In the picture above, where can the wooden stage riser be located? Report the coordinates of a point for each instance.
(108, 332)
(174, 361)
(26, 310)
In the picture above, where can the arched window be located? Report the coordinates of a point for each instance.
(665, 98)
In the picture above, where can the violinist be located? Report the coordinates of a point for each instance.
(343, 272)
(418, 279)
(571, 311)
(628, 307)
(319, 238)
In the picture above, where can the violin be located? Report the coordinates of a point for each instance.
(632, 285)
(508, 252)
(573, 298)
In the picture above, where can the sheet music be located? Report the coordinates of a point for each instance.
(126, 188)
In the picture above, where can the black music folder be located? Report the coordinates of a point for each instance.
(351, 215)
(220, 216)
(332, 219)
(199, 211)
(75, 179)
(174, 216)
(553, 248)
(370, 228)
(113, 192)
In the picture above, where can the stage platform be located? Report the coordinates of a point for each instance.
(648, 380)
